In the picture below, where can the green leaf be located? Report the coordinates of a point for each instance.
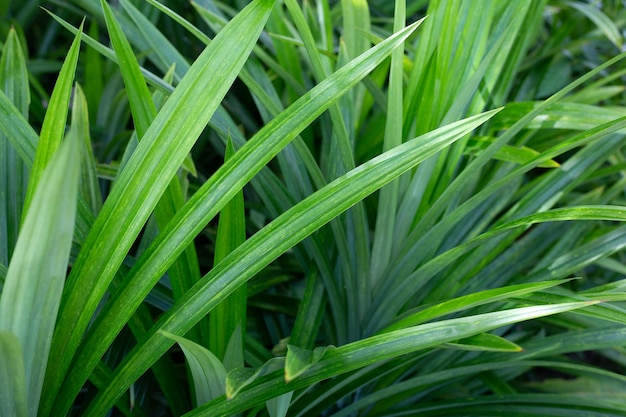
(604, 311)
(94, 84)
(507, 153)
(356, 24)
(139, 99)
(278, 406)
(90, 186)
(110, 54)
(233, 357)
(340, 158)
(436, 264)
(310, 313)
(230, 314)
(398, 342)
(140, 185)
(378, 348)
(209, 375)
(298, 360)
(240, 378)
(167, 54)
(560, 115)
(12, 378)
(454, 305)
(284, 232)
(484, 342)
(185, 271)
(384, 233)
(520, 405)
(601, 337)
(13, 170)
(24, 139)
(587, 386)
(602, 21)
(53, 128)
(16, 128)
(36, 274)
(425, 225)
(220, 188)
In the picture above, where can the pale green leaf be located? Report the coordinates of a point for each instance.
(240, 378)
(233, 357)
(13, 402)
(298, 360)
(278, 406)
(209, 375)
(36, 274)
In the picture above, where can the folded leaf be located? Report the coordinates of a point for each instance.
(299, 360)
(238, 379)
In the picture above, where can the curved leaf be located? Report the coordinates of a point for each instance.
(209, 375)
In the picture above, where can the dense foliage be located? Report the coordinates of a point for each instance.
(316, 208)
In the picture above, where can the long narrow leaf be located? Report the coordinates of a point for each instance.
(13, 170)
(185, 271)
(368, 351)
(140, 185)
(53, 128)
(209, 375)
(36, 274)
(230, 314)
(12, 377)
(274, 239)
(213, 195)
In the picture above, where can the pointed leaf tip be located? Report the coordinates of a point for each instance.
(298, 360)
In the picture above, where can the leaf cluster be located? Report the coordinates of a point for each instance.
(317, 208)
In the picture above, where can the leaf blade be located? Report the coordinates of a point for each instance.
(53, 127)
(32, 290)
(140, 185)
